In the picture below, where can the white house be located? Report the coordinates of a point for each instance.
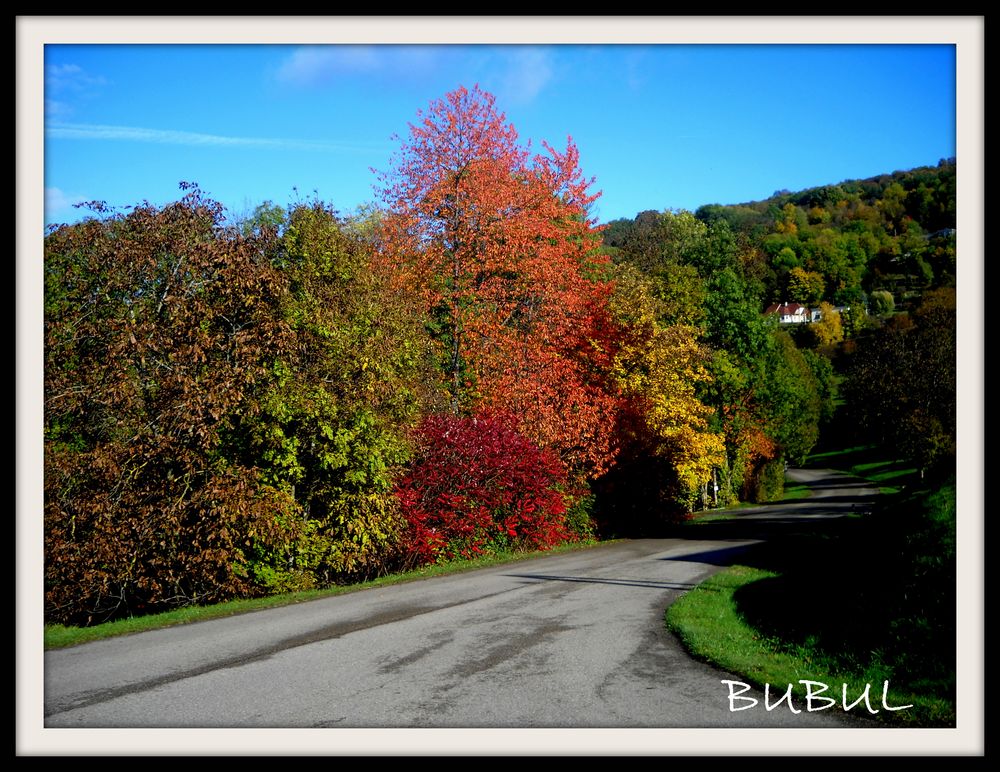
(791, 313)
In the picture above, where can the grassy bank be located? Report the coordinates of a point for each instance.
(60, 636)
(795, 491)
(868, 463)
(870, 600)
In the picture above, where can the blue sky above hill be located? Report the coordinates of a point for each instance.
(658, 126)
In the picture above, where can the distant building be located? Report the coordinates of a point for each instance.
(796, 313)
(791, 313)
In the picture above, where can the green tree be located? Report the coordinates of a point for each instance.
(790, 398)
(900, 386)
(681, 294)
(265, 215)
(682, 235)
(826, 384)
(786, 259)
(854, 320)
(893, 206)
(332, 431)
(764, 392)
(882, 302)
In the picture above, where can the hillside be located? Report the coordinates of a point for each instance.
(839, 243)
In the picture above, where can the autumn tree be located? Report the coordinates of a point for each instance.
(668, 451)
(333, 425)
(789, 220)
(500, 244)
(828, 329)
(227, 410)
(161, 329)
(805, 286)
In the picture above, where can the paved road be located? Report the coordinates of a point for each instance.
(573, 640)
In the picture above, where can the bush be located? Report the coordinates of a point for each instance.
(641, 498)
(478, 486)
(580, 516)
(769, 482)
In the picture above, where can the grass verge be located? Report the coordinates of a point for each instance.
(60, 636)
(795, 491)
(869, 463)
(869, 601)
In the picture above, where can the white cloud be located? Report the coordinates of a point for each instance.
(71, 77)
(319, 65)
(314, 65)
(88, 131)
(58, 204)
(56, 109)
(527, 72)
(62, 73)
(66, 84)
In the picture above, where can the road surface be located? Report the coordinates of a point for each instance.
(571, 640)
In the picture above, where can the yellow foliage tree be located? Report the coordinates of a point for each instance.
(657, 370)
(829, 329)
(787, 221)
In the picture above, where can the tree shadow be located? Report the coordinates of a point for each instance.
(645, 583)
(872, 591)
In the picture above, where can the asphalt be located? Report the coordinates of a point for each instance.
(570, 640)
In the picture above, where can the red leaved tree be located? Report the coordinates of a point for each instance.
(476, 486)
(500, 244)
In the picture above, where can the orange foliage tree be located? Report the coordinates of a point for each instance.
(499, 243)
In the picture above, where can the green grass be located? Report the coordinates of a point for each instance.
(60, 636)
(715, 515)
(707, 621)
(871, 599)
(869, 463)
(711, 626)
(795, 491)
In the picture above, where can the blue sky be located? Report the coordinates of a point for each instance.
(658, 126)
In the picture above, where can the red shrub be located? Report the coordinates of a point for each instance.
(477, 486)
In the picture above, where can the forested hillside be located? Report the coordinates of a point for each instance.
(874, 258)
(840, 243)
(474, 366)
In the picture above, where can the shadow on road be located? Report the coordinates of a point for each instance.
(833, 498)
(725, 556)
(599, 580)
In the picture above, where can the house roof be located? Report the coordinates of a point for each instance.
(781, 309)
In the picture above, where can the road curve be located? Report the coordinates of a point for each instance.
(571, 640)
